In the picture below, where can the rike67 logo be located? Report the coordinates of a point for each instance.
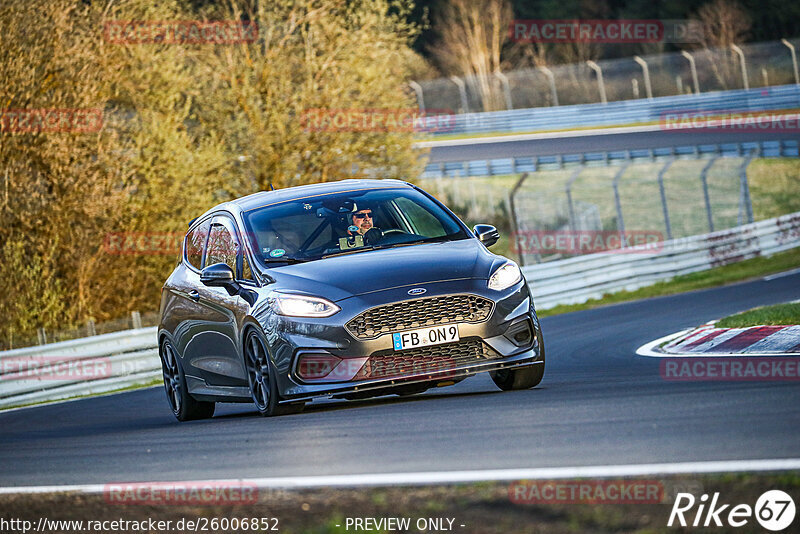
(774, 510)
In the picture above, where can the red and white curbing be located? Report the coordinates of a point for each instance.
(707, 340)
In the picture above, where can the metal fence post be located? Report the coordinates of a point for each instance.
(744, 190)
(615, 185)
(794, 60)
(743, 65)
(514, 221)
(704, 181)
(41, 333)
(506, 89)
(462, 90)
(648, 89)
(568, 190)
(552, 79)
(418, 90)
(635, 87)
(601, 85)
(136, 319)
(693, 68)
(661, 189)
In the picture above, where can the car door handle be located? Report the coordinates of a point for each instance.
(194, 295)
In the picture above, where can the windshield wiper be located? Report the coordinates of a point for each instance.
(284, 259)
(350, 251)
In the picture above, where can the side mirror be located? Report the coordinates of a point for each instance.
(217, 275)
(486, 234)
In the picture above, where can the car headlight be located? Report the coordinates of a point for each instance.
(505, 277)
(303, 306)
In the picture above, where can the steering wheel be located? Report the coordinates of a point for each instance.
(393, 231)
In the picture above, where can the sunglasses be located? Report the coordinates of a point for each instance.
(360, 216)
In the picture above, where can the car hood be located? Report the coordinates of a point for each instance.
(341, 277)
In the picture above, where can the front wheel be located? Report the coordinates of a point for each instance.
(522, 377)
(184, 406)
(261, 376)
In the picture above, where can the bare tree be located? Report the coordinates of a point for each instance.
(724, 22)
(472, 34)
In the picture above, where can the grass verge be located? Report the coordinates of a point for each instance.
(485, 507)
(719, 276)
(777, 314)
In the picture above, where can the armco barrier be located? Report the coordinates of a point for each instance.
(78, 367)
(578, 279)
(623, 112)
(786, 148)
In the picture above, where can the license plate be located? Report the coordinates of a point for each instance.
(433, 335)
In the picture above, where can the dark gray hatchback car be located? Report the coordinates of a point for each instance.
(347, 289)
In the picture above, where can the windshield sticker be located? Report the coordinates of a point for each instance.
(277, 253)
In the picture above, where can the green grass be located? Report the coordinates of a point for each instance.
(777, 314)
(736, 272)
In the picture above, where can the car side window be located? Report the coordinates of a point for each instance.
(195, 241)
(222, 247)
(425, 222)
(247, 273)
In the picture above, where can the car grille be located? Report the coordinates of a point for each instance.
(436, 360)
(431, 311)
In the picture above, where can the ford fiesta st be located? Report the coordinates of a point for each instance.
(348, 289)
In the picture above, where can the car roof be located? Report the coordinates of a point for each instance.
(265, 198)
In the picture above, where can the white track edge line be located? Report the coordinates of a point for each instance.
(781, 275)
(647, 348)
(455, 477)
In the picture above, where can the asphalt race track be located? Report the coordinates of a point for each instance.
(599, 404)
(607, 142)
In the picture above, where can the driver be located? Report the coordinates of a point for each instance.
(362, 219)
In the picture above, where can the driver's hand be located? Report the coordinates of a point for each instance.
(373, 236)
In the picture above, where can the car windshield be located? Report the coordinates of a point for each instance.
(317, 227)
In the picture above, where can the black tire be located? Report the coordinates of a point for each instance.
(184, 407)
(522, 377)
(262, 378)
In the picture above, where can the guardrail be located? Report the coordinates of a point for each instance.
(576, 280)
(504, 166)
(622, 112)
(78, 367)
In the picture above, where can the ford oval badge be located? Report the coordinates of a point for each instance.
(417, 291)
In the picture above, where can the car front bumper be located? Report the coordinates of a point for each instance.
(290, 337)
